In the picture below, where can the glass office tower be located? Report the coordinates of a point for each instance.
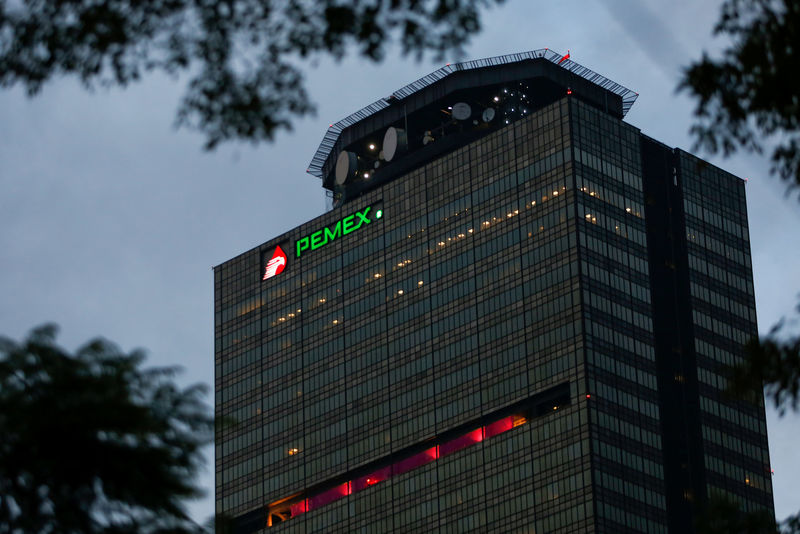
(514, 319)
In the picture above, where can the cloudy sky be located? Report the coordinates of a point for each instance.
(110, 219)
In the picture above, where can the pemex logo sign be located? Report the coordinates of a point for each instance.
(276, 264)
(340, 228)
(315, 240)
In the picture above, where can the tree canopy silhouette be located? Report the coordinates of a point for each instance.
(745, 98)
(93, 443)
(242, 56)
(722, 516)
(749, 95)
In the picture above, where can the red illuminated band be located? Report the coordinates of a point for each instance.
(405, 465)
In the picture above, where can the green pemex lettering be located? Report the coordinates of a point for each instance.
(362, 217)
(344, 226)
(302, 244)
(316, 239)
(330, 235)
(347, 224)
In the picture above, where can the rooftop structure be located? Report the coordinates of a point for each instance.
(496, 91)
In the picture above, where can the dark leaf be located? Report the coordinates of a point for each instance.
(748, 95)
(242, 55)
(94, 443)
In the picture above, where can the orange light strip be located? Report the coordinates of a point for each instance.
(405, 465)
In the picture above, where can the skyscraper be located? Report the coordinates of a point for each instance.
(515, 318)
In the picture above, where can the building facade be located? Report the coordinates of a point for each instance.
(511, 321)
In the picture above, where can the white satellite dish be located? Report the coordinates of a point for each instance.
(488, 115)
(395, 141)
(346, 166)
(461, 111)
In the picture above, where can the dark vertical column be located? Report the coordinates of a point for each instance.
(674, 338)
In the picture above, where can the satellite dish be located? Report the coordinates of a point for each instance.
(488, 115)
(461, 111)
(395, 141)
(346, 166)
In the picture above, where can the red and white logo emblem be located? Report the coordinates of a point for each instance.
(275, 265)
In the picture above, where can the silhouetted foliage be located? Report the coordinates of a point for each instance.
(92, 443)
(750, 94)
(745, 98)
(721, 516)
(776, 364)
(242, 55)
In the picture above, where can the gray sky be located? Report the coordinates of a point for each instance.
(110, 220)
